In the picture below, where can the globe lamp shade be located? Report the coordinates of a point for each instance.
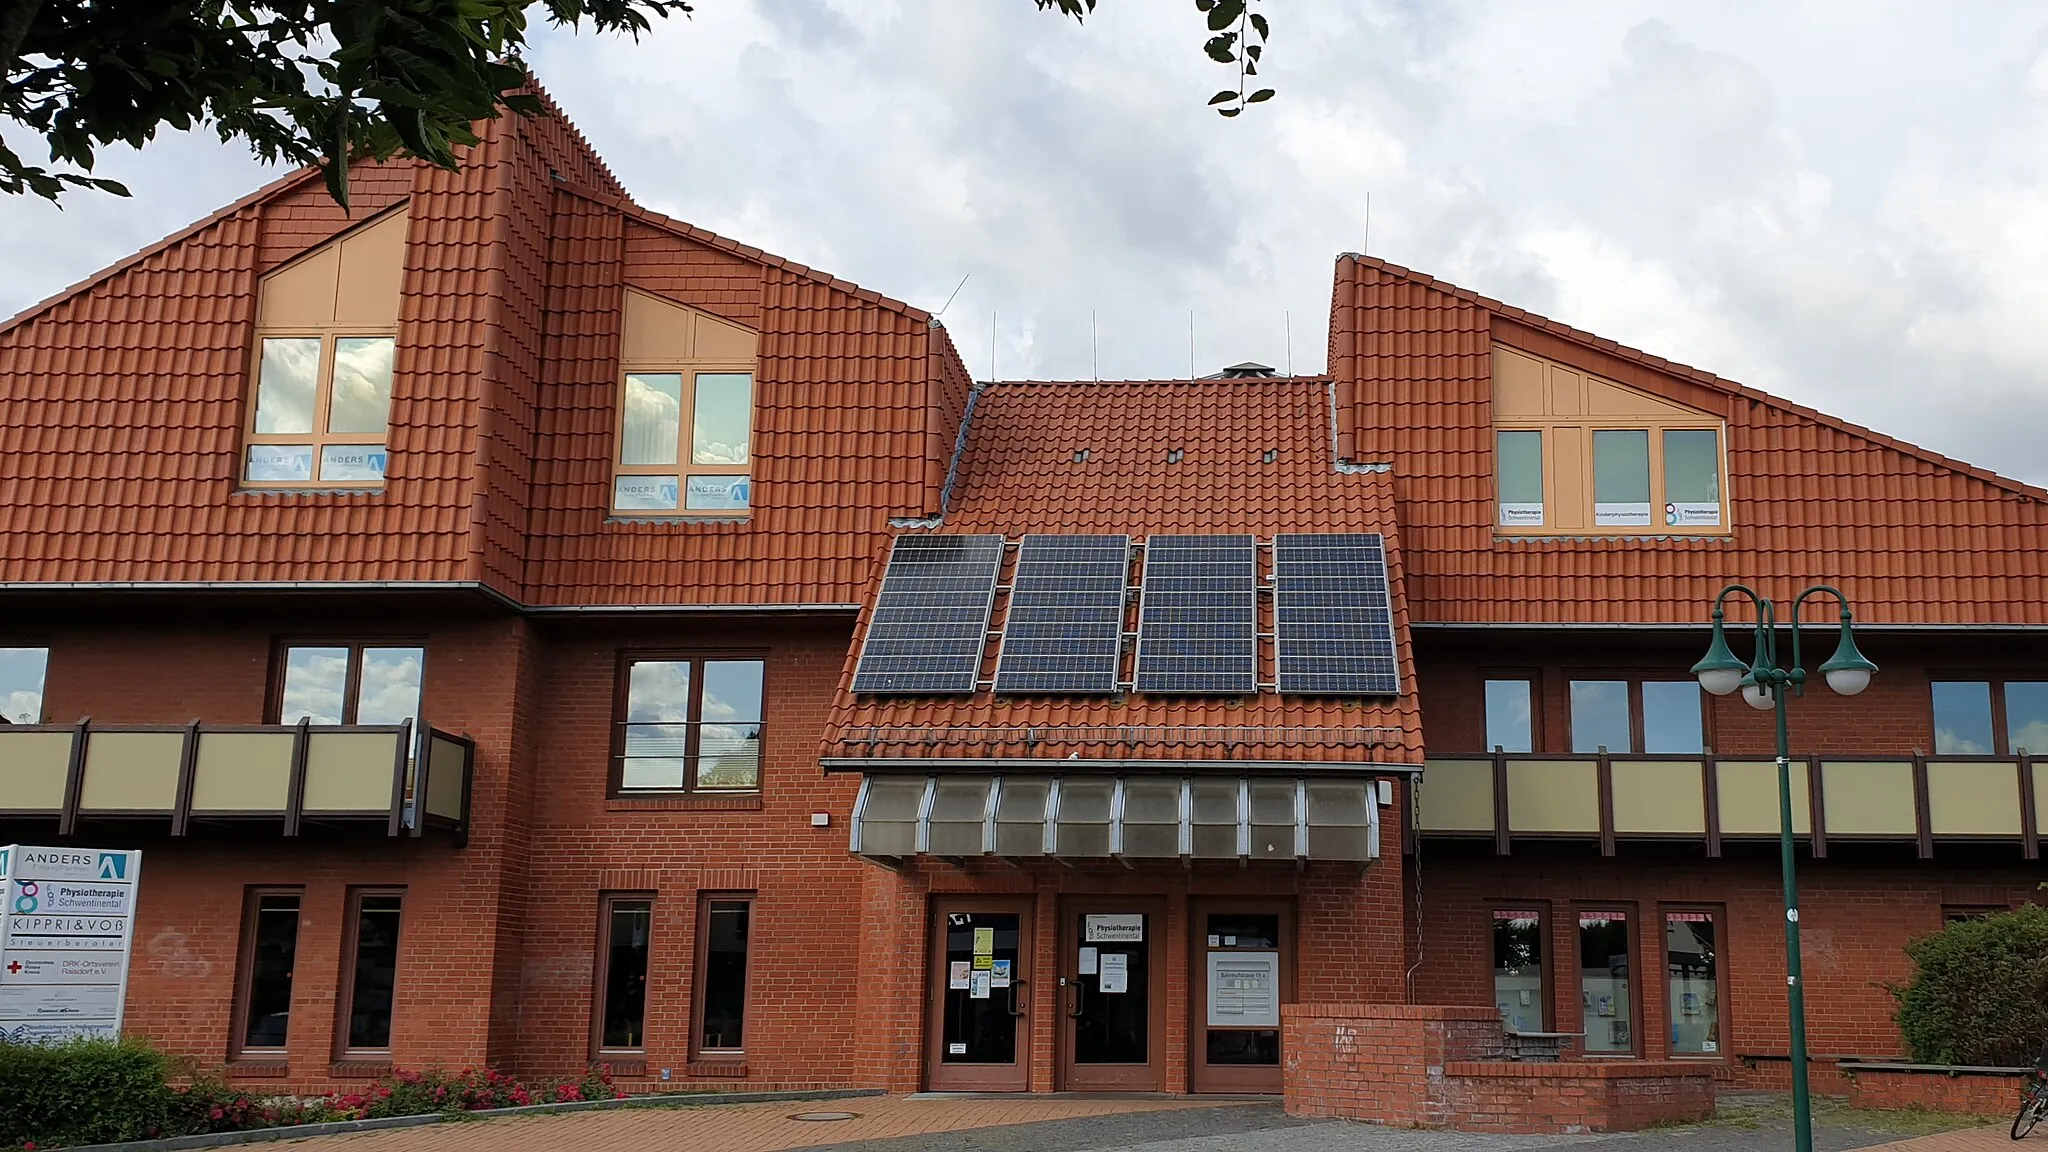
(1720, 671)
(1848, 671)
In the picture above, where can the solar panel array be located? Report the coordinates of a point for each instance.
(1198, 620)
(930, 624)
(1333, 619)
(1065, 628)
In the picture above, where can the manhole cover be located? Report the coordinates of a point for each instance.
(821, 1116)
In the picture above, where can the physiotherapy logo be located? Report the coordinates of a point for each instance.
(26, 895)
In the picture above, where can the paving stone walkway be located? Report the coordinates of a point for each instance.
(1071, 1124)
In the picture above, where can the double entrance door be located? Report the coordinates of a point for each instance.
(1106, 994)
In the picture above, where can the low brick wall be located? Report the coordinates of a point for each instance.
(1970, 1091)
(1419, 1066)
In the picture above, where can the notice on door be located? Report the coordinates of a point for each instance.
(1244, 989)
(1117, 929)
(957, 975)
(984, 941)
(1116, 972)
(1089, 961)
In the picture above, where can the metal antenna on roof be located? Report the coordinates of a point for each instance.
(949, 299)
(1287, 318)
(1368, 225)
(1094, 355)
(991, 345)
(1191, 345)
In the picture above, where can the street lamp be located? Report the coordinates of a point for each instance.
(1763, 683)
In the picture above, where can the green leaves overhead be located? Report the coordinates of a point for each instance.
(333, 83)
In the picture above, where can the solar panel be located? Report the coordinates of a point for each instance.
(1333, 619)
(930, 623)
(1198, 621)
(1066, 622)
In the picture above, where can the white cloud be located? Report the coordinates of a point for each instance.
(1837, 200)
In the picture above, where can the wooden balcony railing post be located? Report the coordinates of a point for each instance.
(1502, 840)
(295, 788)
(1923, 809)
(1603, 774)
(188, 769)
(74, 778)
(2030, 826)
(1710, 785)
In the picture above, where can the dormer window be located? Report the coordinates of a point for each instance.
(1578, 455)
(686, 413)
(326, 342)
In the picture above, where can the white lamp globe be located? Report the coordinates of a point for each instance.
(1721, 681)
(1848, 681)
(1758, 696)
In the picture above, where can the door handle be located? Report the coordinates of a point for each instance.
(1017, 1004)
(1078, 1001)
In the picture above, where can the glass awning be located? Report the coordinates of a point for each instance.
(1122, 817)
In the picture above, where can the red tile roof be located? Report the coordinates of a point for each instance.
(1911, 536)
(1022, 473)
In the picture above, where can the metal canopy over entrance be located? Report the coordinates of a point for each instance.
(1126, 818)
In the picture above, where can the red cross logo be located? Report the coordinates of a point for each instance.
(14, 967)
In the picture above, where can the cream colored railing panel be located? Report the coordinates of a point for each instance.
(131, 772)
(242, 772)
(349, 771)
(33, 768)
(1658, 796)
(1873, 798)
(444, 779)
(1553, 796)
(1748, 793)
(1455, 796)
(1965, 799)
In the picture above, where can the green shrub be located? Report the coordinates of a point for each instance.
(1979, 992)
(84, 1092)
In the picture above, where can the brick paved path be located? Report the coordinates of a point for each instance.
(1042, 1124)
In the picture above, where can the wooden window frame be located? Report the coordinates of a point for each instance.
(1637, 724)
(1633, 913)
(699, 975)
(1655, 426)
(352, 685)
(621, 698)
(2001, 735)
(1724, 1017)
(601, 981)
(686, 431)
(323, 401)
(1957, 913)
(1532, 676)
(245, 977)
(345, 985)
(1546, 968)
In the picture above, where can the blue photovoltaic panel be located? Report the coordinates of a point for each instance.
(1064, 632)
(1198, 621)
(1333, 619)
(931, 618)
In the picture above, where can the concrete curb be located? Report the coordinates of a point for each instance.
(301, 1131)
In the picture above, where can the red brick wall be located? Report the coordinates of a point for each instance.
(1971, 1094)
(1433, 1067)
(1859, 907)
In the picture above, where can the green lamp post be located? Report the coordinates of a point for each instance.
(1764, 683)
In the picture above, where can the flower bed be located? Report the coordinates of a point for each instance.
(90, 1092)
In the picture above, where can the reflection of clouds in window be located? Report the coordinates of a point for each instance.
(21, 684)
(658, 691)
(390, 689)
(1947, 742)
(732, 690)
(725, 403)
(2033, 737)
(315, 681)
(654, 418)
(362, 385)
(2026, 715)
(1600, 716)
(286, 385)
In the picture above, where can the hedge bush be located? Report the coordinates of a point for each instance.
(98, 1091)
(1979, 992)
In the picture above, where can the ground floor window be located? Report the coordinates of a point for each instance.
(370, 971)
(270, 945)
(1518, 969)
(723, 925)
(1693, 973)
(625, 927)
(1605, 992)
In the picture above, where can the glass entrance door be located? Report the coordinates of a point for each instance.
(980, 1036)
(1243, 971)
(1112, 986)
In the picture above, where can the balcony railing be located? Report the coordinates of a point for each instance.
(196, 775)
(1922, 800)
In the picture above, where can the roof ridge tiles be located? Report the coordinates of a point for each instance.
(1696, 375)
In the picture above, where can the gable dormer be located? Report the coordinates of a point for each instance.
(1578, 455)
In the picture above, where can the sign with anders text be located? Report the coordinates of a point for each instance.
(66, 933)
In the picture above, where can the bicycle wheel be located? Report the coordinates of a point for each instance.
(2031, 1108)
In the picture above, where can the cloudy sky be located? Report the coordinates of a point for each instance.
(1838, 202)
